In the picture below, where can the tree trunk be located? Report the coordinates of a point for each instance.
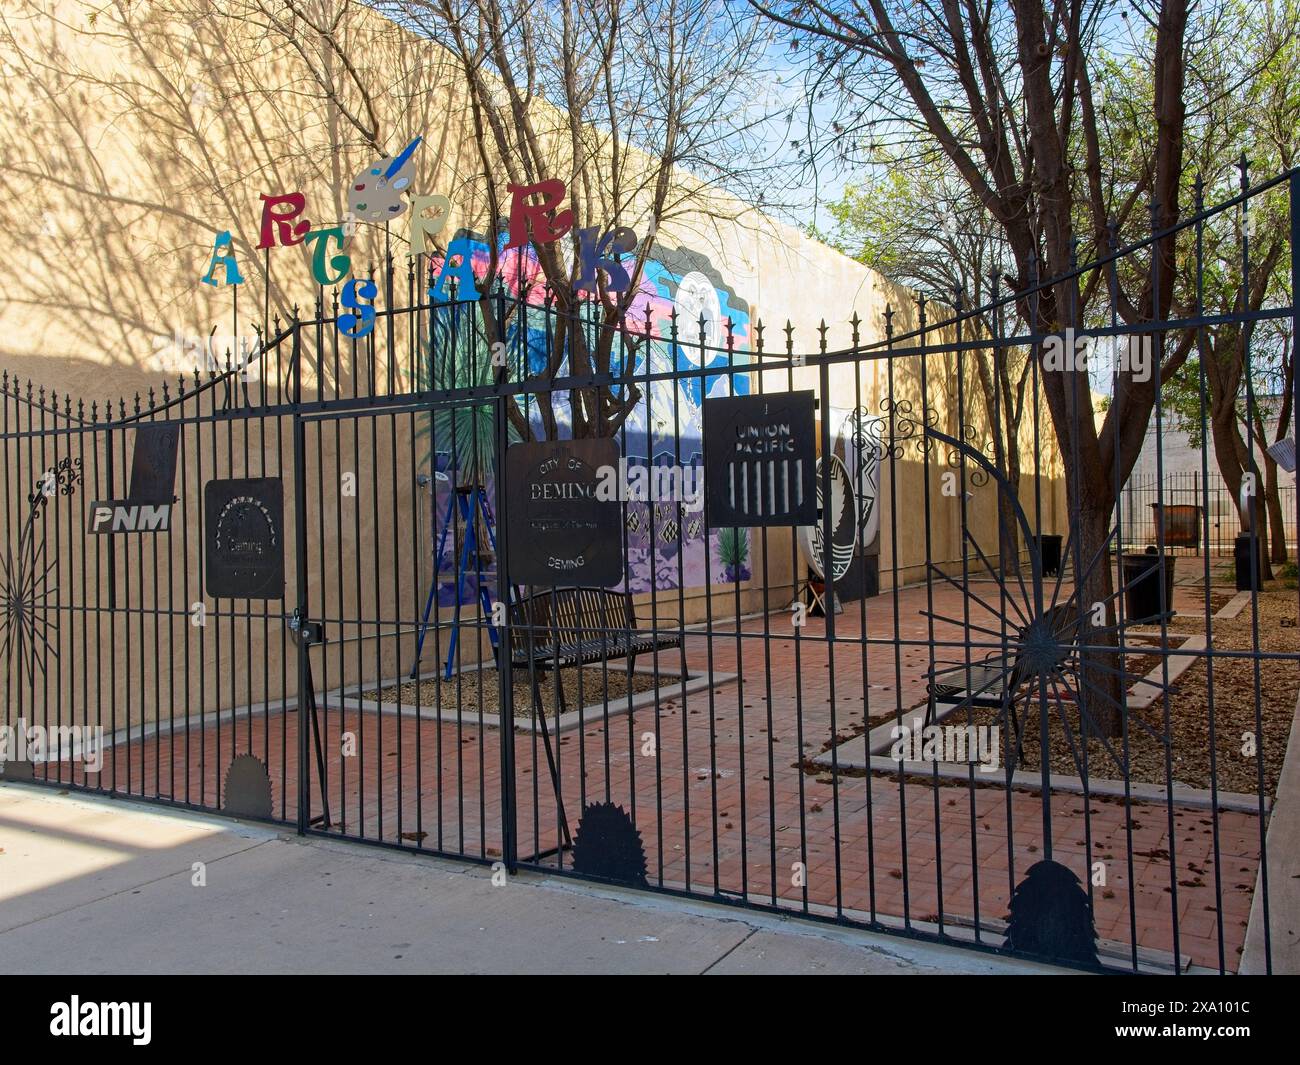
(1100, 692)
(1008, 534)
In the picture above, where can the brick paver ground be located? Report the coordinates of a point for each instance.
(719, 790)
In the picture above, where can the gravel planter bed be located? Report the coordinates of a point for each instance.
(1189, 721)
(471, 689)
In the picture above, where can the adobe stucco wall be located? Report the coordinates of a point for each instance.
(128, 140)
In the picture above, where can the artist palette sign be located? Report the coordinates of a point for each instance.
(760, 459)
(562, 529)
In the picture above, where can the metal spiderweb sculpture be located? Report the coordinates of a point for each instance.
(1050, 651)
(26, 587)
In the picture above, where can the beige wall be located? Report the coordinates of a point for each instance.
(127, 143)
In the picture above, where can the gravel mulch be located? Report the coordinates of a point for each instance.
(1236, 770)
(474, 689)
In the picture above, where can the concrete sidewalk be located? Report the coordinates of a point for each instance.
(93, 885)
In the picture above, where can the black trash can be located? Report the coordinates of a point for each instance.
(1146, 600)
(1241, 556)
(1049, 551)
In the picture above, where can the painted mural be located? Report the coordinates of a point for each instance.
(666, 544)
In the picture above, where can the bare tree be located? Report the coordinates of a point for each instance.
(1007, 94)
(638, 108)
(919, 226)
(149, 129)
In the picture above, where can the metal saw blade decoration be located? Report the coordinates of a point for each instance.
(608, 845)
(26, 585)
(1040, 625)
(1051, 916)
(248, 788)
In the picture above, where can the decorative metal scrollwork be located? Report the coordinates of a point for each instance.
(895, 427)
(976, 475)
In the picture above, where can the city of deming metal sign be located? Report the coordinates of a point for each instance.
(561, 530)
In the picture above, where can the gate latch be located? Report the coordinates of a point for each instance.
(307, 632)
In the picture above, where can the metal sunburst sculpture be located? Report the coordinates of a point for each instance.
(1040, 630)
(25, 586)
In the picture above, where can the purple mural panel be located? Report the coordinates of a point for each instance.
(666, 543)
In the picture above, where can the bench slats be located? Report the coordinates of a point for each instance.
(568, 626)
(996, 683)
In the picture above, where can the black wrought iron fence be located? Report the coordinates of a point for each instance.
(602, 592)
(1200, 514)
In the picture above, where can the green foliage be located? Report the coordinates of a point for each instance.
(453, 356)
(733, 547)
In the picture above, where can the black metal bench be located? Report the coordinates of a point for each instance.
(991, 682)
(576, 626)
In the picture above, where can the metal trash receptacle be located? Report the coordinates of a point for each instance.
(1181, 524)
(1147, 597)
(1049, 553)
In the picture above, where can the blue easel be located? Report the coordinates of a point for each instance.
(470, 501)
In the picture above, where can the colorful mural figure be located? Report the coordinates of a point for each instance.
(666, 546)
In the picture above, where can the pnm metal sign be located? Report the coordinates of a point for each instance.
(148, 506)
(759, 456)
(560, 531)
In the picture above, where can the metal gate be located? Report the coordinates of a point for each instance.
(908, 686)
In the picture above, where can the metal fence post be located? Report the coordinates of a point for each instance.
(300, 565)
(505, 696)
